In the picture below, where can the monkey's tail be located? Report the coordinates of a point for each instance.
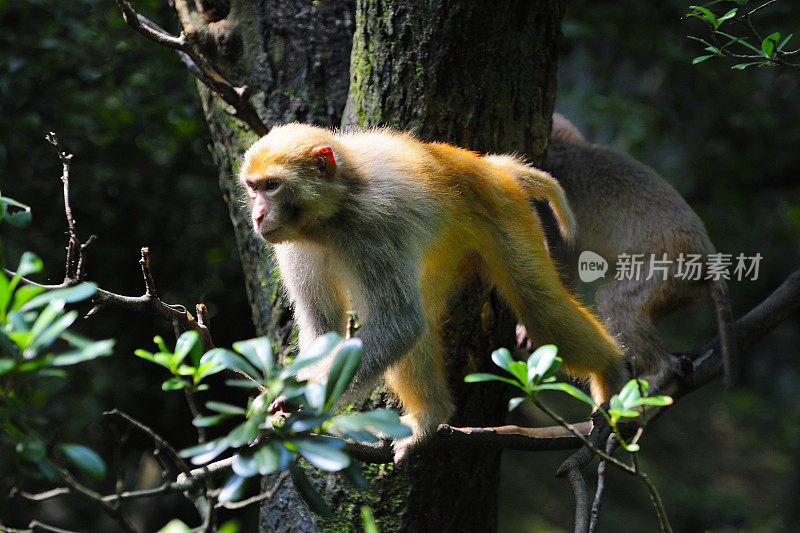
(542, 186)
(727, 332)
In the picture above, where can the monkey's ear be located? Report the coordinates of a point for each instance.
(326, 163)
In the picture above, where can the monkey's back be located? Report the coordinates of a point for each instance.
(461, 202)
(609, 190)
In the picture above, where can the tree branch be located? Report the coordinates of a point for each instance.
(198, 64)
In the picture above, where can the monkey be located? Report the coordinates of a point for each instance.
(624, 207)
(397, 223)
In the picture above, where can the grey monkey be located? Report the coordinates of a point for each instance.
(624, 207)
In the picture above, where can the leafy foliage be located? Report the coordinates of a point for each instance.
(263, 442)
(537, 374)
(35, 345)
(767, 51)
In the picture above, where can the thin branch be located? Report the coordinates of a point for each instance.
(602, 468)
(260, 497)
(158, 441)
(198, 64)
(661, 513)
(148, 303)
(87, 494)
(41, 526)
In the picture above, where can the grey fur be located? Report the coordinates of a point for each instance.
(623, 206)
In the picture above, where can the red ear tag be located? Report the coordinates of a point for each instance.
(325, 160)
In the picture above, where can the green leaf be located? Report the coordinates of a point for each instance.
(208, 451)
(69, 295)
(84, 459)
(48, 315)
(629, 393)
(742, 66)
(305, 421)
(48, 336)
(231, 490)
(208, 421)
(705, 14)
(94, 350)
(5, 295)
(6, 365)
(615, 404)
(368, 520)
(343, 370)
(307, 491)
(698, 39)
(768, 44)
(325, 454)
(318, 349)
(315, 395)
(173, 383)
(740, 41)
(188, 342)
(243, 433)
(700, 59)
(144, 354)
(209, 368)
(14, 212)
(513, 403)
(229, 360)
(175, 526)
(245, 465)
(29, 263)
(381, 422)
(225, 408)
(729, 15)
(519, 370)
(479, 377)
(658, 401)
(543, 362)
(784, 41)
(24, 294)
(267, 458)
(569, 389)
(257, 351)
(503, 359)
(632, 447)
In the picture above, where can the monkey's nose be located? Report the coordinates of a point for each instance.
(257, 219)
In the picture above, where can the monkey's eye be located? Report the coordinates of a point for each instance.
(270, 184)
(250, 185)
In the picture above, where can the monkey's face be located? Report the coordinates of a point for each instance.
(289, 176)
(271, 211)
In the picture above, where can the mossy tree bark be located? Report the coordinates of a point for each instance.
(473, 73)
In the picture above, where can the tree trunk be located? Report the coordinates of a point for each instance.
(468, 73)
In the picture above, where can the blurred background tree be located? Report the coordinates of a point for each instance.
(142, 175)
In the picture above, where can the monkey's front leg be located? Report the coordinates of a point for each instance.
(392, 319)
(318, 296)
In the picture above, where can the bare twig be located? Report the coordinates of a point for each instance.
(260, 497)
(611, 445)
(198, 64)
(158, 441)
(148, 303)
(654, 496)
(87, 494)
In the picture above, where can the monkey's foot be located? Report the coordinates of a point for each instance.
(402, 449)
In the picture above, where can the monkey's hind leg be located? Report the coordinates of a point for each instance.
(625, 306)
(526, 276)
(420, 384)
